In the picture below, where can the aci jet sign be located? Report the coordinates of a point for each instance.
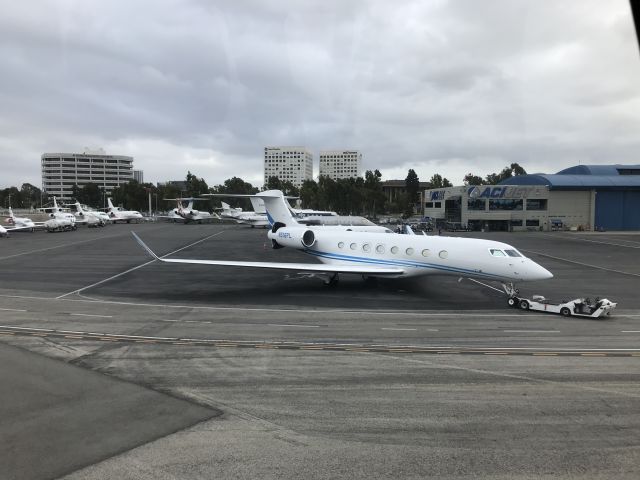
(487, 192)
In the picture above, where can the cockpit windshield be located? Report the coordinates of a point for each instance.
(513, 253)
(496, 252)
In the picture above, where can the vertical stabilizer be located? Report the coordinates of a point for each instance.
(258, 205)
(110, 203)
(278, 210)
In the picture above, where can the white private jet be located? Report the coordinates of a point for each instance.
(4, 232)
(20, 223)
(373, 254)
(90, 217)
(256, 218)
(188, 213)
(119, 214)
(59, 220)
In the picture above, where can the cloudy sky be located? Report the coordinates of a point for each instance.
(445, 87)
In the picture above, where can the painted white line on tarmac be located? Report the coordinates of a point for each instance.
(401, 329)
(12, 310)
(90, 315)
(291, 325)
(630, 331)
(59, 246)
(136, 268)
(410, 313)
(531, 331)
(578, 239)
(583, 264)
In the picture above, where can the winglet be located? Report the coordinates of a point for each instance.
(144, 245)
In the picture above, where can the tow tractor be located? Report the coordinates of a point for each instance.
(579, 307)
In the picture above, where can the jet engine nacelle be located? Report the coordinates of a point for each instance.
(295, 237)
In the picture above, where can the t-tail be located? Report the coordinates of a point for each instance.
(110, 204)
(278, 211)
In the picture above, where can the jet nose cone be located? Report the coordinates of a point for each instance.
(538, 272)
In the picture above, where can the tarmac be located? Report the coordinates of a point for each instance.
(241, 373)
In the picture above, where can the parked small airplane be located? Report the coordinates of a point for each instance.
(59, 220)
(90, 217)
(119, 214)
(373, 254)
(188, 213)
(4, 232)
(255, 218)
(22, 223)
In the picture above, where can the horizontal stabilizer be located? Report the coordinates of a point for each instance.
(299, 267)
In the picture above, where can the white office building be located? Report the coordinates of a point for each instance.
(337, 164)
(61, 171)
(138, 176)
(292, 164)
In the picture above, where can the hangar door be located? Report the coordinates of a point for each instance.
(618, 210)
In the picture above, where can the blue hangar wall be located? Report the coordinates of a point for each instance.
(617, 188)
(617, 210)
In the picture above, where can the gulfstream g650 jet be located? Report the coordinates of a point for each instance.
(374, 254)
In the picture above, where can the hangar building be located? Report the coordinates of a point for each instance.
(584, 197)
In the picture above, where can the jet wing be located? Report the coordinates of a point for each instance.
(299, 267)
(13, 229)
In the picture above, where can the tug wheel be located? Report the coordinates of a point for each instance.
(512, 302)
(524, 305)
(565, 312)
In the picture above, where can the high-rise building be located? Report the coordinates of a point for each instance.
(61, 171)
(138, 176)
(292, 164)
(337, 164)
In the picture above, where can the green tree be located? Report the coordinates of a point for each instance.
(437, 181)
(195, 186)
(471, 179)
(507, 172)
(412, 184)
(235, 185)
(30, 196)
(374, 197)
(309, 194)
(132, 195)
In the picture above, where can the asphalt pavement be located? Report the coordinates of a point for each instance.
(400, 379)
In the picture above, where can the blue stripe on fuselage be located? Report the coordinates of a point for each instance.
(399, 263)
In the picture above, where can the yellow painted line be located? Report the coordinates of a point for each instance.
(74, 336)
(593, 354)
(448, 351)
(545, 354)
(39, 334)
(496, 353)
(635, 354)
(181, 343)
(357, 350)
(266, 346)
(145, 341)
(225, 344)
(312, 348)
(7, 333)
(400, 350)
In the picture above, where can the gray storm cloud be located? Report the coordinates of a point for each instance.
(441, 87)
